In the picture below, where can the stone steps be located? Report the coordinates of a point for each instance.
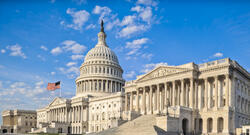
(143, 125)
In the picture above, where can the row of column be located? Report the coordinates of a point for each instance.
(183, 92)
(99, 85)
(101, 70)
(58, 114)
(75, 114)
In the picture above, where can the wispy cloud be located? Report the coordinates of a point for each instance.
(79, 18)
(44, 48)
(218, 54)
(3, 51)
(69, 45)
(151, 66)
(56, 51)
(77, 57)
(16, 50)
(130, 74)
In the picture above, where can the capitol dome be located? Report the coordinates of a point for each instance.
(100, 73)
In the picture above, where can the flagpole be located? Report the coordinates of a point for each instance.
(60, 91)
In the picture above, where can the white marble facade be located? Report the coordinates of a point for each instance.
(99, 85)
(217, 94)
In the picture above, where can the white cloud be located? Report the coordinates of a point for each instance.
(3, 51)
(146, 14)
(79, 18)
(41, 57)
(16, 50)
(149, 67)
(110, 25)
(128, 20)
(52, 73)
(137, 8)
(1, 66)
(130, 74)
(218, 54)
(102, 11)
(79, 2)
(56, 51)
(71, 64)
(44, 48)
(147, 2)
(135, 45)
(69, 45)
(71, 72)
(73, 46)
(147, 56)
(76, 57)
(39, 83)
(90, 26)
(52, 1)
(131, 29)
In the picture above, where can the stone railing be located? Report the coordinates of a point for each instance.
(129, 83)
(215, 63)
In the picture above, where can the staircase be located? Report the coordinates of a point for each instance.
(143, 125)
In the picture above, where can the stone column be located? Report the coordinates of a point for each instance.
(191, 99)
(126, 102)
(144, 100)
(131, 101)
(158, 98)
(102, 88)
(215, 125)
(204, 128)
(205, 102)
(166, 95)
(112, 86)
(115, 86)
(196, 94)
(174, 93)
(182, 92)
(227, 90)
(89, 86)
(186, 96)
(216, 91)
(150, 99)
(178, 94)
(137, 100)
(106, 89)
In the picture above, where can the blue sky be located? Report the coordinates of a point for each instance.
(46, 41)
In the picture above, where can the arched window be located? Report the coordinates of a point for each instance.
(103, 116)
(220, 124)
(209, 125)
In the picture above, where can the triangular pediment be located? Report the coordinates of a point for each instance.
(161, 71)
(57, 101)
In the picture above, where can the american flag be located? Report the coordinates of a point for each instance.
(53, 86)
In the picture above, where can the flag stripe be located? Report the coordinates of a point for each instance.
(53, 86)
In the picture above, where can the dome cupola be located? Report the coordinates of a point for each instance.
(100, 72)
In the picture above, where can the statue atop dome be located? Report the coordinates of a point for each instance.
(102, 28)
(102, 36)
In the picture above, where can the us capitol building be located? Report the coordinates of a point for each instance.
(209, 98)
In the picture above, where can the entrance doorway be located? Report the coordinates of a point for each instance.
(185, 126)
(4, 130)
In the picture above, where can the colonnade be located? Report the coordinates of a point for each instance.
(97, 85)
(75, 114)
(243, 96)
(205, 93)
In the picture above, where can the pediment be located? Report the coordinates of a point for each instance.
(161, 71)
(57, 101)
